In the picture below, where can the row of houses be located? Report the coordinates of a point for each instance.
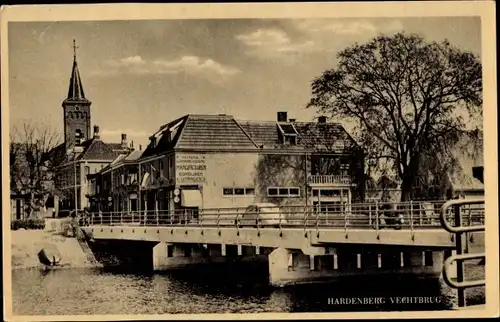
(216, 161)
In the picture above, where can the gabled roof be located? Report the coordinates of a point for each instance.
(223, 132)
(117, 147)
(329, 137)
(166, 137)
(213, 132)
(95, 149)
(133, 155)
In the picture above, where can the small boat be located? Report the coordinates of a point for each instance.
(49, 256)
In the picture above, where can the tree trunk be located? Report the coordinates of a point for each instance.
(406, 188)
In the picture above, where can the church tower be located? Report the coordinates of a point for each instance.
(76, 109)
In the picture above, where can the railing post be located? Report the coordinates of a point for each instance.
(459, 250)
(369, 215)
(279, 221)
(218, 219)
(157, 217)
(377, 218)
(111, 219)
(317, 219)
(121, 217)
(305, 218)
(411, 219)
(132, 216)
(346, 221)
(420, 215)
(237, 221)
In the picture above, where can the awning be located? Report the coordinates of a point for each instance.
(191, 198)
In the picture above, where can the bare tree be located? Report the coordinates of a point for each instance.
(405, 96)
(31, 167)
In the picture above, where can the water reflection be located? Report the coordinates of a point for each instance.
(216, 290)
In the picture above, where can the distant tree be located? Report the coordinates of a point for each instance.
(31, 167)
(405, 96)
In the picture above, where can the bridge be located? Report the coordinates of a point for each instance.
(300, 244)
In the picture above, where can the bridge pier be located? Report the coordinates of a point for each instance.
(174, 256)
(292, 266)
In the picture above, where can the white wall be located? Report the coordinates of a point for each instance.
(222, 170)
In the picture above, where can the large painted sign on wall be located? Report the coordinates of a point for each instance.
(190, 169)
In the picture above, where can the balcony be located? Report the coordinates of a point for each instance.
(329, 180)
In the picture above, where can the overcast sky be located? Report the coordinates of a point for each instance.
(142, 74)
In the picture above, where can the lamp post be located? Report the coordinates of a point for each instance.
(75, 188)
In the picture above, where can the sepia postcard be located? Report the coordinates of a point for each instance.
(249, 161)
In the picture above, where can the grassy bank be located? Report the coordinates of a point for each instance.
(25, 245)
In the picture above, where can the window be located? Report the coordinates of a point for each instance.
(133, 204)
(283, 192)
(238, 191)
(330, 193)
(288, 132)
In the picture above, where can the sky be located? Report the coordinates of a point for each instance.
(144, 73)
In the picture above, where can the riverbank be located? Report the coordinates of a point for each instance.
(25, 245)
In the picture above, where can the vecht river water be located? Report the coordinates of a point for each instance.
(215, 290)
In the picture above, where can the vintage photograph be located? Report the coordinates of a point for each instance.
(246, 165)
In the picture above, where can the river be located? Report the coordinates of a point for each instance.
(111, 291)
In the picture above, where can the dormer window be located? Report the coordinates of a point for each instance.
(152, 140)
(288, 133)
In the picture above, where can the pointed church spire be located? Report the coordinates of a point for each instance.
(75, 91)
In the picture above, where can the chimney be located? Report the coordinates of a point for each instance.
(282, 116)
(124, 141)
(322, 119)
(96, 132)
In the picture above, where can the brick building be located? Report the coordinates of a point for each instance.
(212, 161)
(82, 152)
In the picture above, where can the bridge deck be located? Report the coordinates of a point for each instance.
(295, 238)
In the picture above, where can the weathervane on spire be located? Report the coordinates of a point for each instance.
(74, 49)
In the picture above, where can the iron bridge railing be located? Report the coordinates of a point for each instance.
(461, 210)
(410, 216)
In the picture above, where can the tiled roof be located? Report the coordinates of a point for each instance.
(116, 146)
(223, 132)
(166, 137)
(213, 132)
(134, 155)
(95, 149)
(330, 137)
